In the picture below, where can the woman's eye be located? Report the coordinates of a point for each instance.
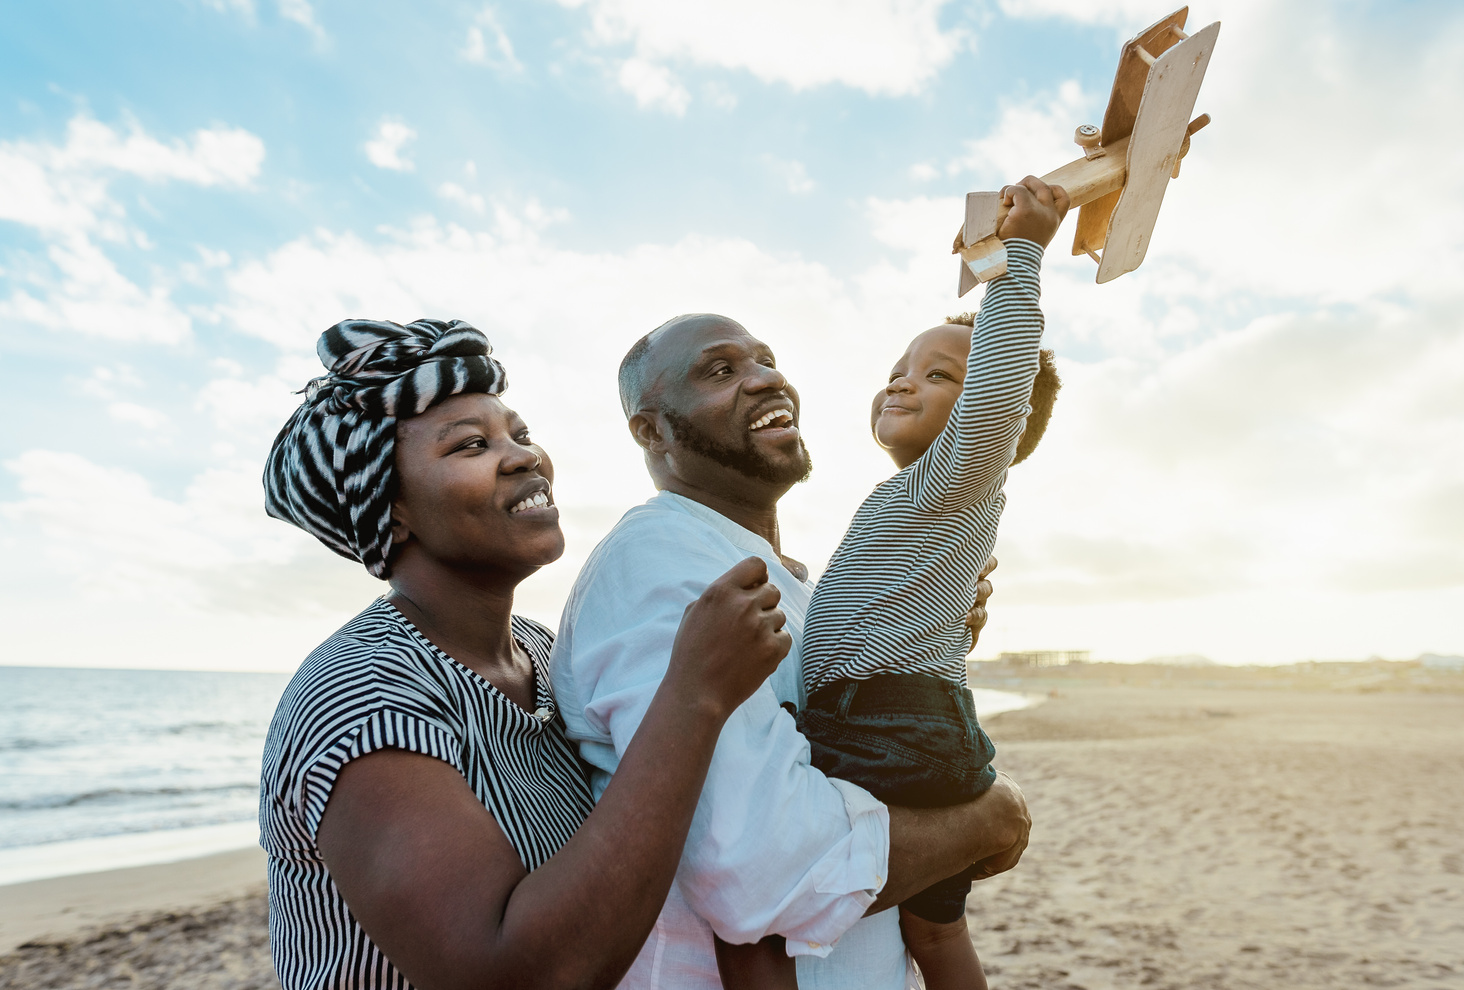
(523, 439)
(476, 443)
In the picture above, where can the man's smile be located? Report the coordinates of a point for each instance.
(773, 418)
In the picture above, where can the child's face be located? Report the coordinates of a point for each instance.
(909, 413)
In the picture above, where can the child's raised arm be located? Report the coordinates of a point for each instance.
(966, 462)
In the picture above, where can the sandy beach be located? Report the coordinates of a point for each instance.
(1188, 832)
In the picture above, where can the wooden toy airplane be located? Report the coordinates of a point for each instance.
(1120, 180)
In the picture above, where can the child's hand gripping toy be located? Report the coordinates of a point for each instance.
(1126, 165)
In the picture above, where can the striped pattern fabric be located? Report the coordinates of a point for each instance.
(331, 470)
(895, 595)
(379, 684)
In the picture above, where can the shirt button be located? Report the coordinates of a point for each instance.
(542, 714)
(814, 945)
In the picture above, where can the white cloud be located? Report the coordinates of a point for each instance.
(62, 192)
(212, 549)
(143, 416)
(92, 297)
(63, 189)
(454, 193)
(1032, 137)
(385, 149)
(916, 224)
(720, 95)
(303, 14)
(653, 86)
(242, 7)
(883, 47)
(488, 44)
(791, 173)
(1132, 14)
(215, 156)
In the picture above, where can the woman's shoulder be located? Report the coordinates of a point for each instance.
(371, 662)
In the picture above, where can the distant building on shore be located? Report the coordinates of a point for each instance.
(1043, 658)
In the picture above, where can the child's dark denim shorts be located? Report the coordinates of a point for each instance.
(908, 739)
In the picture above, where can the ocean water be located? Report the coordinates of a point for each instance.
(95, 765)
(101, 769)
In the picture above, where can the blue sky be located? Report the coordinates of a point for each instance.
(1251, 460)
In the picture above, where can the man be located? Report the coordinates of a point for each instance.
(775, 846)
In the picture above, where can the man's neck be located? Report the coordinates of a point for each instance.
(754, 516)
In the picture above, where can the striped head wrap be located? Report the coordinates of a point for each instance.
(332, 469)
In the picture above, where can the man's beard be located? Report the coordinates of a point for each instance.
(745, 460)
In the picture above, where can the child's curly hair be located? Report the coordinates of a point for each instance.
(1044, 395)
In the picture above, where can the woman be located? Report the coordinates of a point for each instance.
(425, 818)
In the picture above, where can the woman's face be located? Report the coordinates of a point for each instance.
(475, 491)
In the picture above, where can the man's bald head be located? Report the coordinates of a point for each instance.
(644, 363)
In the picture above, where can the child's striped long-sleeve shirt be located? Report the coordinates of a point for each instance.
(896, 593)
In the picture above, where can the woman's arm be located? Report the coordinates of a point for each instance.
(435, 883)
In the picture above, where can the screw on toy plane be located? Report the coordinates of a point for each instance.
(1127, 163)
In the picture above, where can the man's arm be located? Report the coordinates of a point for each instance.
(965, 465)
(930, 844)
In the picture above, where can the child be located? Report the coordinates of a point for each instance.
(885, 639)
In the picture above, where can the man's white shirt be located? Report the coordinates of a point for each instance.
(775, 846)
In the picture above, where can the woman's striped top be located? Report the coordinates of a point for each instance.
(378, 683)
(895, 595)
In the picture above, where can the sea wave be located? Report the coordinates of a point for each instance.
(121, 794)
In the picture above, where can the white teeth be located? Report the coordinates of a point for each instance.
(535, 501)
(759, 423)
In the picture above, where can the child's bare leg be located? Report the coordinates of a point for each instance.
(944, 953)
(761, 964)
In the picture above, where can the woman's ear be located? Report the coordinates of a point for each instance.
(401, 530)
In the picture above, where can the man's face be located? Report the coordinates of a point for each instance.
(726, 404)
